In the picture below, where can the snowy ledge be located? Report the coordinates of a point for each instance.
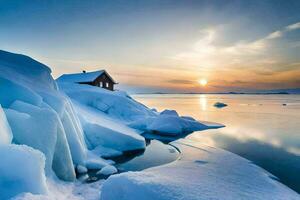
(203, 172)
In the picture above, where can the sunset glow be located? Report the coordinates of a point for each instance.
(198, 39)
(203, 82)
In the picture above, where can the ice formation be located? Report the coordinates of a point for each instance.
(5, 131)
(21, 170)
(35, 113)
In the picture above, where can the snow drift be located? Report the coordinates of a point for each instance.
(117, 106)
(102, 130)
(35, 113)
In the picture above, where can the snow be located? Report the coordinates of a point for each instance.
(121, 111)
(101, 129)
(106, 152)
(25, 70)
(42, 117)
(96, 163)
(220, 105)
(169, 112)
(108, 170)
(21, 171)
(174, 125)
(5, 131)
(81, 169)
(108, 137)
(202, 173)
(59, 190)
(37, 114)
(80, 77)
(19, 93)
(116, 104)
(44, 136)
(74, 134)
(169, 123)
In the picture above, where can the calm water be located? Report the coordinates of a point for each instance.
(155, 154)
(258, 127)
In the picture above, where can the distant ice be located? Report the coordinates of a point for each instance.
(220, 105)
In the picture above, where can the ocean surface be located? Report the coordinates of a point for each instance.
(262, 128)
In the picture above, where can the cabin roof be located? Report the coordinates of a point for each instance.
(83, 77)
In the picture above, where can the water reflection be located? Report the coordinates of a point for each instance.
(203, 102)
(275, 159)
(155, 154)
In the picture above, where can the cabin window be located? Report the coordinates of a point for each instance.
(107, 85)
(101, 84)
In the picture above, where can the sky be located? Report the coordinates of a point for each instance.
(162, 45)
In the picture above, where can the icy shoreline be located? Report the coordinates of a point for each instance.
(203, 172)
(58, 130)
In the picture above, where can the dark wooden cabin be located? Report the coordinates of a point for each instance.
(97, 78)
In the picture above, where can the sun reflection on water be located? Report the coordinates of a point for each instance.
(203, 102)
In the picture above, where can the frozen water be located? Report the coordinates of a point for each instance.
(220, 105)
(21, 170)
(108, 170)
(5, 131)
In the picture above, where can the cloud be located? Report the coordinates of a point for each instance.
(181, 81)
(293, 26)
(274, 35)
(207, 54)
(280, 33)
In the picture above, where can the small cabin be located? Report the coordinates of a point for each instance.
(97, 78)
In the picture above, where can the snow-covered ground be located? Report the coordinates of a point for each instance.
(50, 131)
(116, 109)
(203, 172)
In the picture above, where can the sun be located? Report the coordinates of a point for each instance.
(202, 82)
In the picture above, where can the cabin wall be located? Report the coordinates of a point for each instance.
(104, 81)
